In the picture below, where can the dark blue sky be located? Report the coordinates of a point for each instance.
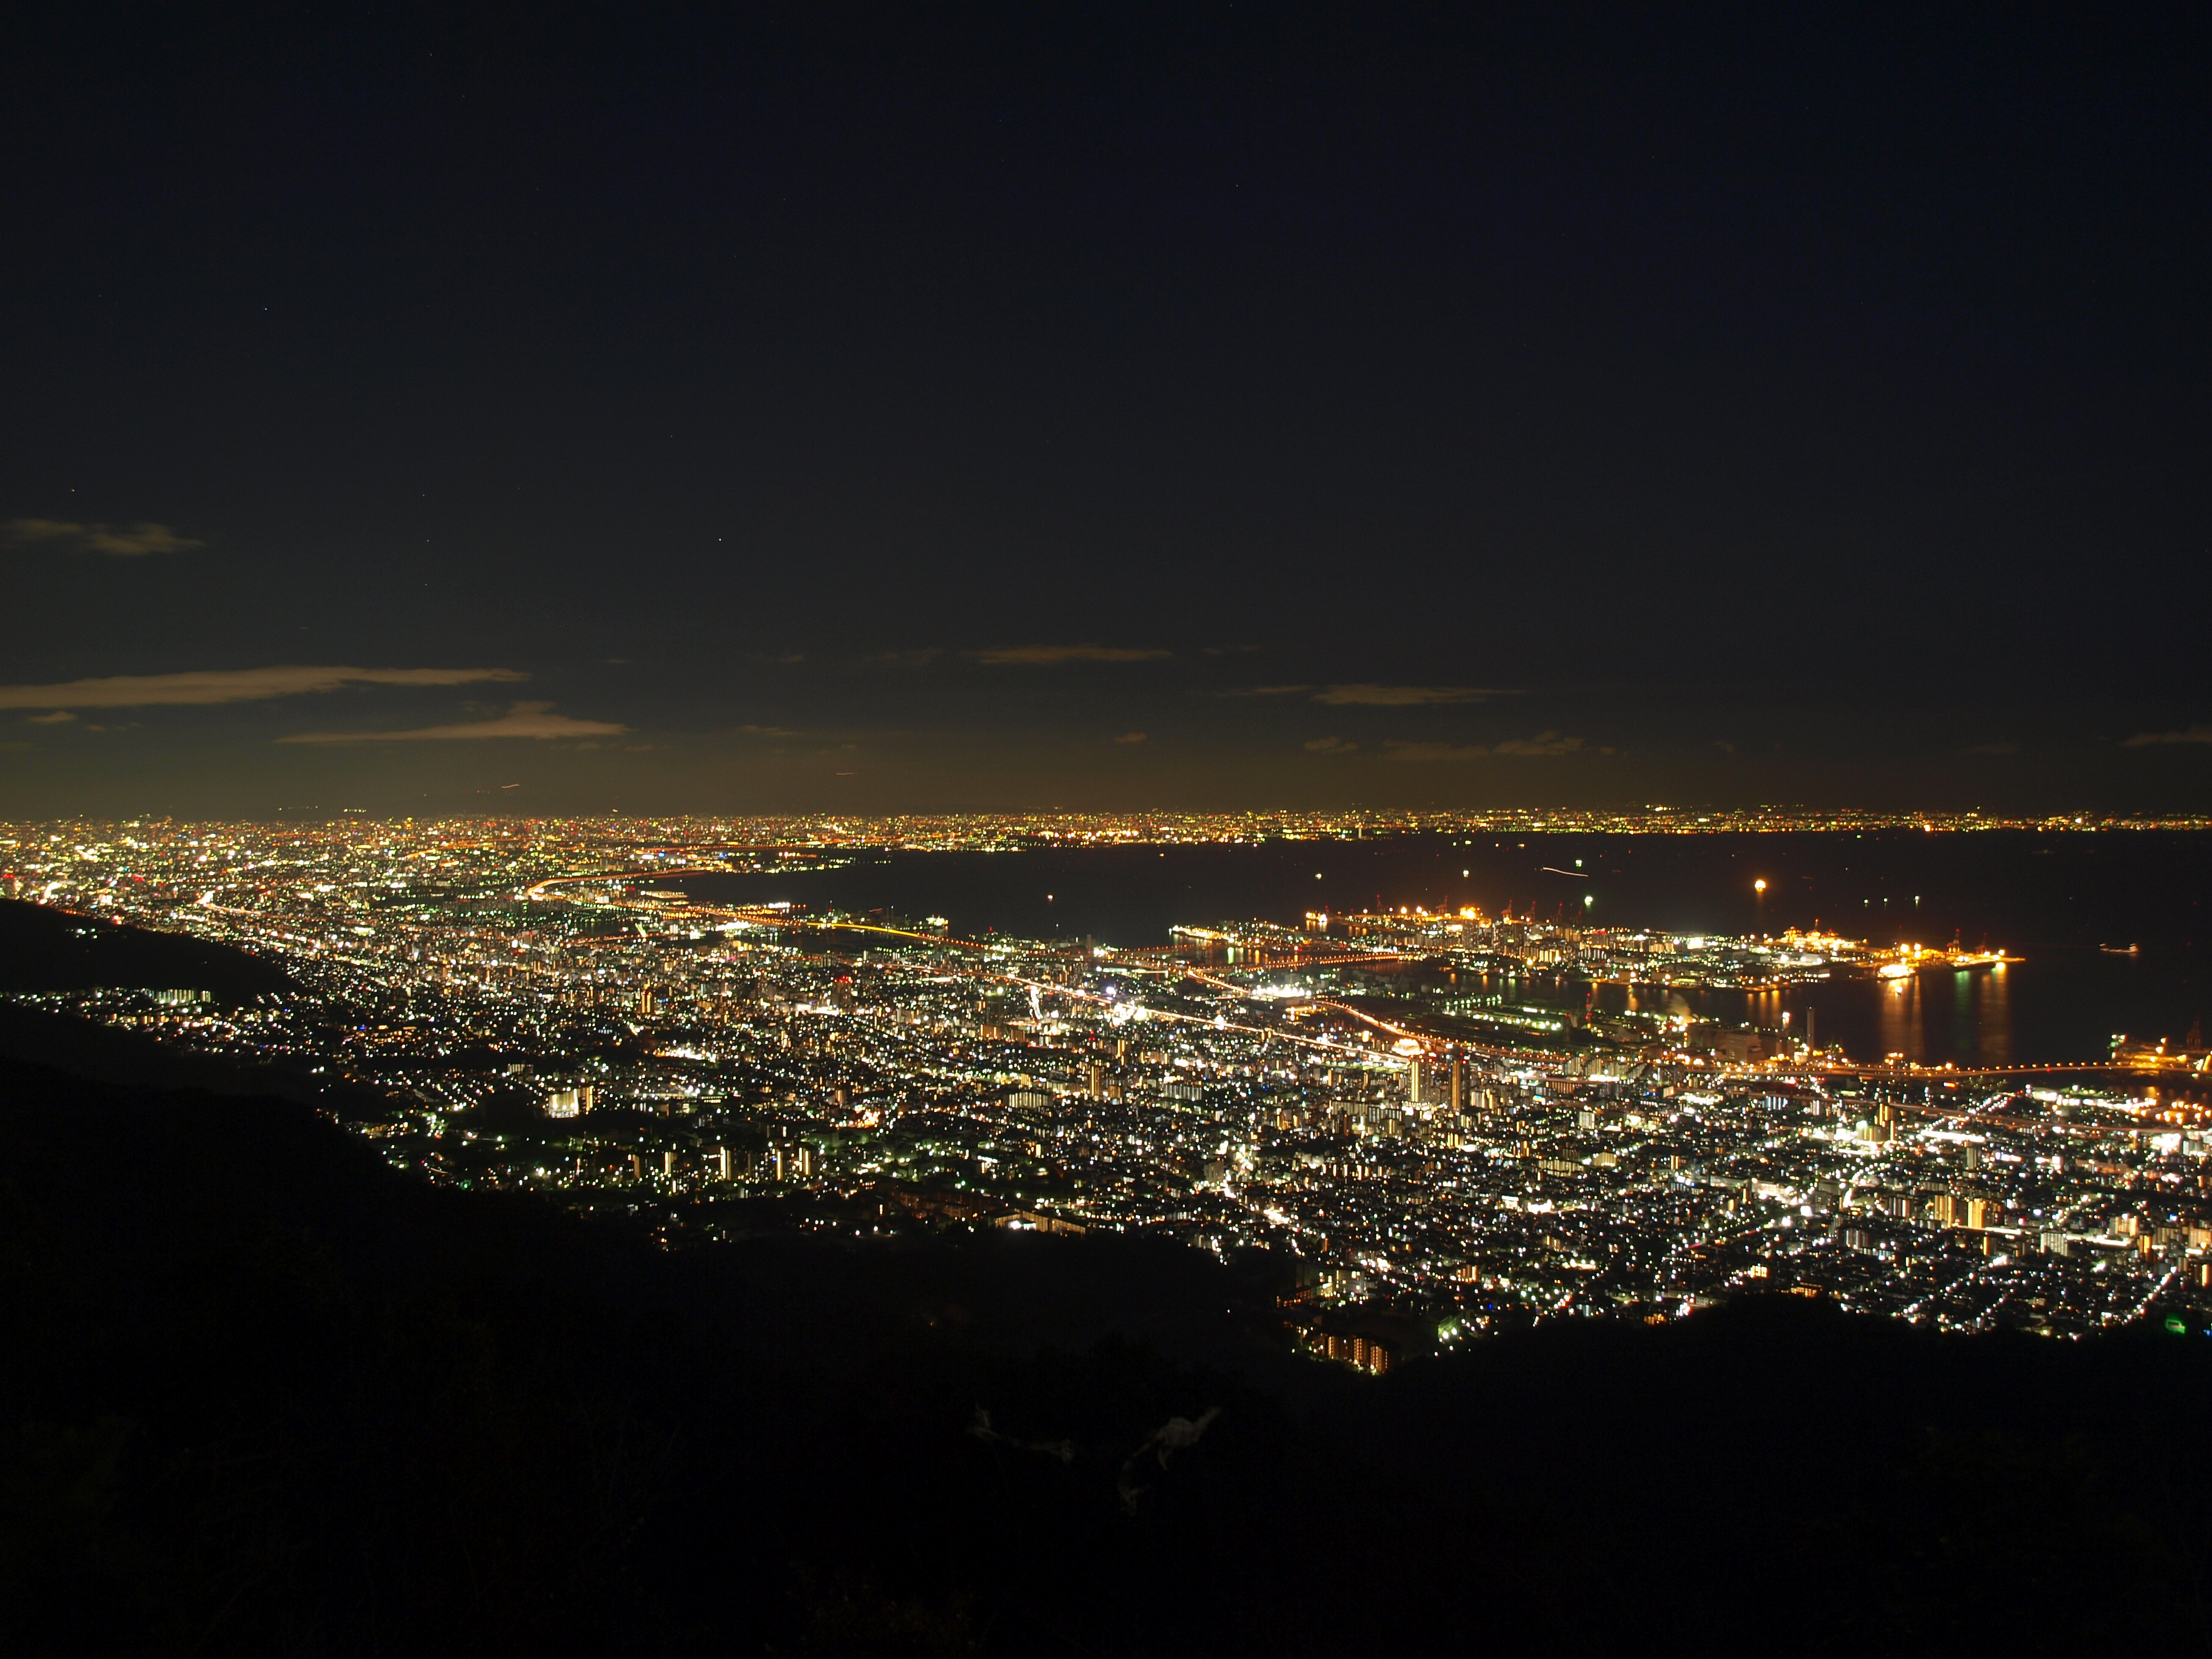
(1224, 406)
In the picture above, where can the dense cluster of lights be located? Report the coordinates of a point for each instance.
(545, 1005)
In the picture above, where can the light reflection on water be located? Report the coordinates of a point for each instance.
(2051, 900)
(1904, 1021)
(1992, 1021)
(2063, 1008)
(1962, 1017)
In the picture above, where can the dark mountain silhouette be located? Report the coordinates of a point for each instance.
(262, 1394)
(43, 949)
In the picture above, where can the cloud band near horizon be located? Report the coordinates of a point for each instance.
(1400, 696)
(1045, 656)
(219, 685)
(2144, 739)
(139, 540)
(524, 720)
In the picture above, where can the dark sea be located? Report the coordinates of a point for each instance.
(2069, 904)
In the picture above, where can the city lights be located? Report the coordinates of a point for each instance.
(1426, 1109)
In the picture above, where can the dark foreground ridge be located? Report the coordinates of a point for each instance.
(44, 949)
(264, 1395)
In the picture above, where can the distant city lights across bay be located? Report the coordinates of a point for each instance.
(1476, 1119)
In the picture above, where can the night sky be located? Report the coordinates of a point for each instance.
(1119, 407)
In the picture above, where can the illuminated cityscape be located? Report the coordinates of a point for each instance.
(1431, 1114)
(1178, 832)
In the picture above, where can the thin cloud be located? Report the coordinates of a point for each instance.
(1406, 696)
(1435, 751)
(1263, 692)
(1544, 743)
(1047, 656)
(1331, 746)
(54, 719)
(524, 720)
(2194, 734)
(136, 542)
(2002, 748)
(1130, 736)
(231, 685)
